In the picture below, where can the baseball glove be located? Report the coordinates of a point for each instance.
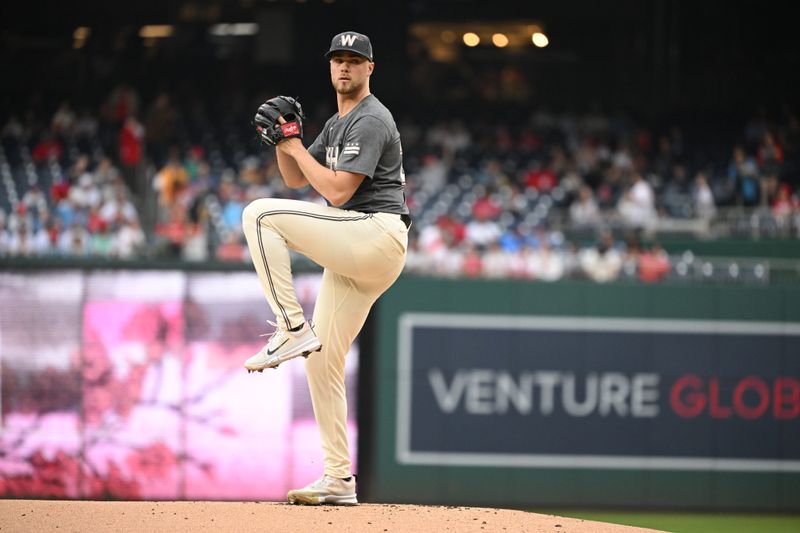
(270, 129)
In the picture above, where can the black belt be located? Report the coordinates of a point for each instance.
(405, 218)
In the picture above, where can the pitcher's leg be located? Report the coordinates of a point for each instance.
(339, 314)
(270, 255)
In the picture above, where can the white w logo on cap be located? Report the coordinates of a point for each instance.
(348, 40)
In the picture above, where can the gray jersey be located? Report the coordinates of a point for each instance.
(366, 141)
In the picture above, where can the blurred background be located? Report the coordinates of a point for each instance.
(611, 188)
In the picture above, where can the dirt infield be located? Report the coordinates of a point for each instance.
(176, 517)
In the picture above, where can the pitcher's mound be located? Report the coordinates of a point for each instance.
(177, 517)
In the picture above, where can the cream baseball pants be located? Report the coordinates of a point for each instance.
(362, 254)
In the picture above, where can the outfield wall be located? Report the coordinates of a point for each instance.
(522, 394)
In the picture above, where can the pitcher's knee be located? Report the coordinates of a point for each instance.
(255, 209)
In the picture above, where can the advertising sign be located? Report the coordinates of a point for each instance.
(578, 392)
(125, 384)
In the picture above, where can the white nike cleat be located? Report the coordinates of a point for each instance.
(326, 489)
(284, 345)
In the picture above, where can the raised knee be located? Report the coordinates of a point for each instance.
(254, 209)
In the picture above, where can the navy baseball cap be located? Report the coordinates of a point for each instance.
(351, 41)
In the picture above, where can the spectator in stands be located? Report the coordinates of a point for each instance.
(131, 152)
(433, 174)
(107, 175)
(231, 248)
(78, 168)
(118, 210)
(21, 242)
(570, 183)
(622, 159)
(417, 262)
(450, 262)
(586, 156)
(540, 178)
(769, 155)
(545, 263)
(496, 263)
(171, 234)
(603, 262)
(130, 240)
(47, 149)
(65, 212)
(59, 189)
(486, 207)
(194, 158)
(54, 227)
(63, 121)
(512, 240)
(523, 265)
(584, 212)
(703, 198)
(435, 240)
(631, 254)
(34, 203)
(637, 206)
(654, 264)
(86, 126)
(483, 229)
(770, 185)
(470, 261)
(232, 200)
(743, 178)
(95, 222)
(170, 181)
(102, 242)
(784, 206)
(453, 137)
(676, 198)
(571, 258)
(491, 174)
(85, 195)
(197, 245)
(74, 241)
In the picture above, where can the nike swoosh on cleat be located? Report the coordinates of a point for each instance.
(270, 352)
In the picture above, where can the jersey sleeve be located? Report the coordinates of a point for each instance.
(363, 146)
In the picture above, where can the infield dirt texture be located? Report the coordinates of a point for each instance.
(177, 517)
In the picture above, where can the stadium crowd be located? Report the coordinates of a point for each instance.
(541, 195)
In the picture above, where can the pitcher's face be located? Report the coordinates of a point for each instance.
(349, 72)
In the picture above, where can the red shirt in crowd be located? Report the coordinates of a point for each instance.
(130, 143)
(541, 180)
(47, 149)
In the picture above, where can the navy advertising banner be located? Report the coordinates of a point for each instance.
(576, 392)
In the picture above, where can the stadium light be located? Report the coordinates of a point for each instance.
(156, 31)
(471, 39)
(540, 40)
(500, 40)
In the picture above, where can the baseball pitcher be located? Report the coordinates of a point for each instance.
(359, 238)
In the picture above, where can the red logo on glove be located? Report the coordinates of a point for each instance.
(290, 128)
